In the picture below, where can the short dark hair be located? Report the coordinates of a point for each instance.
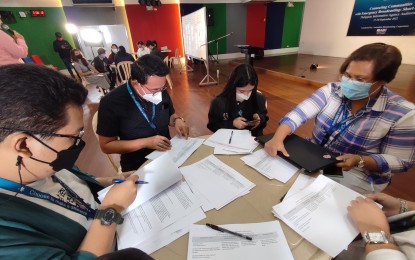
(121, 50)
(35, 97)
(58, 34)
(101, 51)
(140, 43)
(241, 76)
(148, 65)
(386, 60)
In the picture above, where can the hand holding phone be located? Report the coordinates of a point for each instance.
(252, 122)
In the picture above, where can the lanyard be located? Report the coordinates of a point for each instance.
(141, 108)
(85, 209)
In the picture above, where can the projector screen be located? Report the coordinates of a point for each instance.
(195, 34)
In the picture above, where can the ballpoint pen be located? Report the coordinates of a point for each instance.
(230, 138)
(120, 181)
(228, 231)
(370, 179)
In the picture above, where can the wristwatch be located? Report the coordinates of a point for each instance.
(376, 237)
(108, 216)
(361, 163)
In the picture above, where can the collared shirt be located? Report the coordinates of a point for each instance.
(384, 129)
(142, 51)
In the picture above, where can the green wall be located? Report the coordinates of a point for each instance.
(218, 29)
(39, 32)
(292, 25)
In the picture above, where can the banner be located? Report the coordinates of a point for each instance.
(382, 18)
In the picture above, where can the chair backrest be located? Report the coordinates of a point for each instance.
(176, 53)
(123, 72)
(116, 166)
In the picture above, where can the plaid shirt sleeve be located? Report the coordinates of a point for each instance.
(307, 109)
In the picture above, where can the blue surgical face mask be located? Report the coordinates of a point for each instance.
(354, 90)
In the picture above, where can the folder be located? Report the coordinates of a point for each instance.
(303, 153)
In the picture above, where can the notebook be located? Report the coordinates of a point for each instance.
(303, 153)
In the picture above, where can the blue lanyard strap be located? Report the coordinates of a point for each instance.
(141, 108)
(85, 210)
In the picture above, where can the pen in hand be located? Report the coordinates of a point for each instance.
(370, 179)
(228, 231)
(115, 181)
(230, 138)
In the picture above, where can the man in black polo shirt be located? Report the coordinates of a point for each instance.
(134, 119)
(63, 47)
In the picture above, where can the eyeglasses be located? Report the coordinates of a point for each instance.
(359, 79)
(77, 137)
(157, 90)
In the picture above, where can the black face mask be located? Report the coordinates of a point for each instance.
(65, 158)
(79, 56)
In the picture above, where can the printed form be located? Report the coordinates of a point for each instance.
(268, 242)
(271, 167)
(181, 149)
(319, 214)
(215, 181)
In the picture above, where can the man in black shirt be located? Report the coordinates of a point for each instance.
(102, 65)
(63, 47)
(134, 119)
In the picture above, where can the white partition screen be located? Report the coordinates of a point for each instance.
(195, 34)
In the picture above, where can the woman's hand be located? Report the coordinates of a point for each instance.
(256, 117)
(181, 128)
(367, 216)
(240, 122)
(107, 181)
(391, 205)
(121, 194)
(347, 161)
(273, 146)
(159, 143)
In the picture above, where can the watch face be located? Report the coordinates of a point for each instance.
(109, 216)
(376, 237)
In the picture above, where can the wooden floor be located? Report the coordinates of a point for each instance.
(284, 80)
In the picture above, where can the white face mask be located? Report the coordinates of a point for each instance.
(155, 99)
(114, 50)
(241, 97)
(102, 56)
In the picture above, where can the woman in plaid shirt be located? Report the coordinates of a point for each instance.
(360, 118)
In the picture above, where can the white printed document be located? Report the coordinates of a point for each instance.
(160, 174)
(232, 141)
(218, 183)
(271, 167)
(302, 181)
(181, 149)
(319, 214)
(164, 209)
(268, 242)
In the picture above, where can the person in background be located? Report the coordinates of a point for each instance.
(122, 55)
(134, 118)
(88, 71)
(63, 48)
(41, 130)
(360, 118)
(240, 105)
(371, 221)
(102, 65)
(154, 50)
(12, 47)
(114, 51)
(142, 49)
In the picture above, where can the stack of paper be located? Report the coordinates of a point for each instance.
(181, 149)
(268, 242)
(215, 183)
(228, 141)
(163, 210)
(319, 214)
(271, 167)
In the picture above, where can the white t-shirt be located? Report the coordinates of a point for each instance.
(142, 52)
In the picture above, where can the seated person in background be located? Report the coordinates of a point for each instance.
(102, 65)
(88, 71)
(359, 118)
(41, 128)
(142, 49)
(114, 50)
(154, 50)
(368, 217)
(122, 55)
(240, 105)
(134, 119)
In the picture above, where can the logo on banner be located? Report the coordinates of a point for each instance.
(381, 31)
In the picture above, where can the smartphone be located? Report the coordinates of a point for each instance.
(333, 171)
(252, 122)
